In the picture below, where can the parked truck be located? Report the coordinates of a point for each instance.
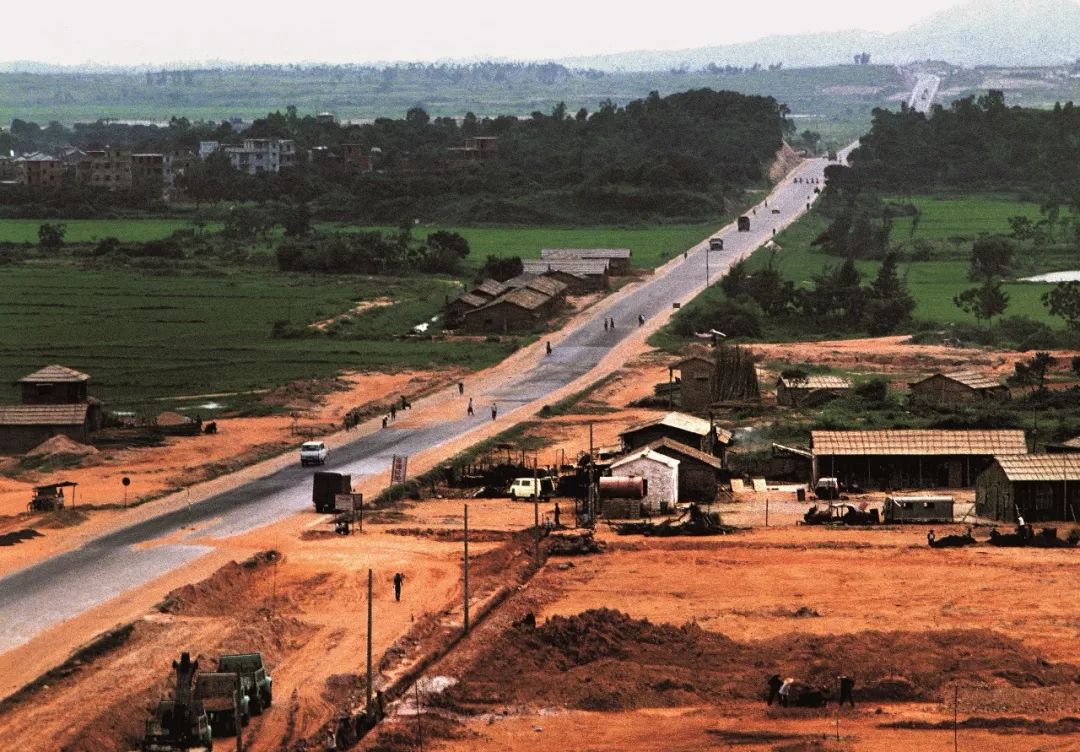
(255, 682)
(223, 700)
(179, 724)
(325, 486)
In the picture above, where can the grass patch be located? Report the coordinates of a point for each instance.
(571, 405)
(93, 230)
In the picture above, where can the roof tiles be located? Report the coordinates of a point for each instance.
(1045, 467)
(918, 441)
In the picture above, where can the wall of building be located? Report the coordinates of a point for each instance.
(663, 481)
(21, 439)
(940, 390)
(695, 394)
(888, 473)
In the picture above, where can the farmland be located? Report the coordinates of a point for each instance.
(948, 225)
(144, 338)
(93, 230)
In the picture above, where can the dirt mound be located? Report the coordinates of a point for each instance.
(233, 586)
(573, 545)
(452, 534)
(170, 418)
(59, 518)
(605, 660)
(61, 445)
(1000, 725)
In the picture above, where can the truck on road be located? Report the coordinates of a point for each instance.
(744, 223)
(325, 486)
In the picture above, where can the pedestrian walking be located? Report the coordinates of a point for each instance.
(384, 421)
(930, 538)
(640, 320)
(685, 255)
(461, 388)
(399, 580)
(393, 412)
(605, 323)
(548, 347)
(469, 410)
(558, 512)
(494, 412)
(612, 320)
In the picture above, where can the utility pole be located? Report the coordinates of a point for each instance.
(466, 603)
(955, 720)
(536, 517)
(370, 584)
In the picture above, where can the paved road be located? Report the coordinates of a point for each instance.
(926, 88)
(67, 584)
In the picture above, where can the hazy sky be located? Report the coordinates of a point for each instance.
(130, 31)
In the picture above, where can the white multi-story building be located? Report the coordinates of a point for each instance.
(262, 155)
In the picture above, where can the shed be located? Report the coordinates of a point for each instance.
(581, 275)
(23, 427)
(957, 386)
(517, 311)
(700, 474)
(911, 458)
(455, 310)
(54, 385)
(1039, 486)
(919, 509)
(811, 390)
(686, 429)
(618, 259)
(661, 472)
(695, 379)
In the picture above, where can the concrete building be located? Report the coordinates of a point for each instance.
(109, 169)
(259, 155)
(957, 386)
(1040, 487)
(700, 474)
(812, 390)
(910, 458)
(660, 471)
(39, 171)
(476, 149)
(685, 429)
(356, 155)
(618, 259)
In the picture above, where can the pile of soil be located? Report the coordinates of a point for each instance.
(170, 418)
(452, 535)
(572, 544)
(1001, 725)
(232, 587)
(61, 445)
(605, 660)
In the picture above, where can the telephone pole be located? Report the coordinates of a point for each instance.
(466, 602)
(370, 584)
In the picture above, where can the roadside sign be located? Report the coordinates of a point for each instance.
(399, 468)
(349, 502)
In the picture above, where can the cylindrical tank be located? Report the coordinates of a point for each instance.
(623, 487)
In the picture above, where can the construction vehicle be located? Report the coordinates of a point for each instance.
(254, 681)
(325, 486)
(50, 497)
(179, 724)
(223, 701)
(744, 223)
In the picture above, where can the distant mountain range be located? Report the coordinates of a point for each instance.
(983, 32)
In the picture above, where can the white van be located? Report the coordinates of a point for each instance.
(312, 453)
(528, 488)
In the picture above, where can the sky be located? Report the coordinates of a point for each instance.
(275, 31)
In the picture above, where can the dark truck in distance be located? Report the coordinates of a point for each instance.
(222, 699)
(744, 223)
(255, 683)
(325, 486)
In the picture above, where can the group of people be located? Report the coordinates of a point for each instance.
(807, 180)
(787, 692)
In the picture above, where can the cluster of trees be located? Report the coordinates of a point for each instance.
(375, 253)
(678, 156)
(975, 142)
(837, 301)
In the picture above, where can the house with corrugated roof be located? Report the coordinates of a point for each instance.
(540, 283)
(813, 389)
(580, 275)
(518, 310)
(1037, 487)
(890, 459)
(454, 311)
(957, 386)
(54, 402)
(690, 430)
(618, 259)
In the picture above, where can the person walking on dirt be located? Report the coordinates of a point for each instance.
(930, 538)
(461, 388)
(384, 421)
(494, 411)
(774, 684)
(393, 412)
(557, 513)
(469, 409)
(548, 347)
(399, 580)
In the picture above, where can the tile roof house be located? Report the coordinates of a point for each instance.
(1037, 487)
(811, 390)
(957, 386)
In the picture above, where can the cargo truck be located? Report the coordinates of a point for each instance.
(325, 486)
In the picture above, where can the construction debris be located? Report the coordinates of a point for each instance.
(694, 521)
(574, 545)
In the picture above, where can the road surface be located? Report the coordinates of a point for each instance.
(70, 583)
(926, 88)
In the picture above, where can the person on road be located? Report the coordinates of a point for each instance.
(548, 347)
(640, 320)
(494, 411)
(558, 512)
(605, 323)
(384, 421)
(612, 320)
(469, 410)
(399, 580)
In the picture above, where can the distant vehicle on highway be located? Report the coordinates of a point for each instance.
(775, 211)
(744, 224)
(312, 453)
(716, 244)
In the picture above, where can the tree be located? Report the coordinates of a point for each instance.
(984, 302)
(735, 283)
(296, 220)
(51, 237)
(991, 256)
(888, 302)
(1074, 365)
(1032, 372)
(874, 390)
(501, 268)
(1064, 301)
